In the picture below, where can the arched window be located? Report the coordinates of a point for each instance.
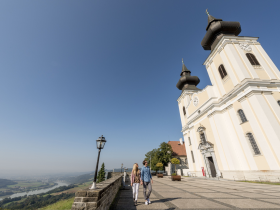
(242, 116)
(253, 143)
(184, 110)
(253, 60)
(278, 102)
(222, 71)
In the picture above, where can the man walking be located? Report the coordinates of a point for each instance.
(146, 181)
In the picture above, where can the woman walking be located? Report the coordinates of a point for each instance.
(135, 181)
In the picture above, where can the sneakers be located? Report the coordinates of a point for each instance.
(146, 203)
(149, 201)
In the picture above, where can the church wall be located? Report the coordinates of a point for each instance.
(248, 66)
(236, 62)
(269, 123)
(198, 158)
(226, 81)
(202, 96)
(228, 85)
(234, 142)
(223, 163)
(261, 138)
(181, 104)
(274, 106)
(217, 77)
(229, 68)
(241, 132)
(222, 132)
(262, 74)
(209, 137)
(276, 95)
(213, 81)
(268, 61)
(264, 64)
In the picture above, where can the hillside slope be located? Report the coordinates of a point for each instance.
(60, 205)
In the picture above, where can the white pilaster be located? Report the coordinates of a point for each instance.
(263, 63)
(270, 126)
(268, 60)
(218, 145)
(229, 70)
(239, 159)
(218, 78)
(224, 137)
(246, 62)
(196, 152)
(258, 132)
(236, 62)
(273, 105)
(243, 141)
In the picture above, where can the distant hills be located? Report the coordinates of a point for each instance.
(6, 182)
(78, 179)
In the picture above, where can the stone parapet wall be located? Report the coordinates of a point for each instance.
(100, 198)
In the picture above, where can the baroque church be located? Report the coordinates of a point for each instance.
(231, 128)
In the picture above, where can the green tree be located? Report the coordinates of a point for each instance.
(101, 174)
(175, 161)
(163, 154)
(151, 157)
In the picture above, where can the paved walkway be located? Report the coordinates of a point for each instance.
(195, 193)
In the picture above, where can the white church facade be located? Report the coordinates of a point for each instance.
(231, 129)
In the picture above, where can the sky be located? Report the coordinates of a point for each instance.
(71, 71)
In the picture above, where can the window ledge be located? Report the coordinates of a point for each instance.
(257, 66)
(225, 79)
(244, 122)
(257, 155)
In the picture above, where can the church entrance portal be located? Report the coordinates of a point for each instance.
(212, 166)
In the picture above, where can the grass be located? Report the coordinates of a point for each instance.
(258, 182)
(60, 205)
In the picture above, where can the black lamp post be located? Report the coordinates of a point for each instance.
(121, 167)
(100, 143)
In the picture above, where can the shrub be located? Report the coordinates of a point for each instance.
(174, 174)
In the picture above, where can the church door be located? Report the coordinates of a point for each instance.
(212, 166)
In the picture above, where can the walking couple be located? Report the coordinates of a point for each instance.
(144, 178)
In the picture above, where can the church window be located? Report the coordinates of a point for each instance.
(222, 71)
(253, 60)
(190, 143)
(184, 110)
(242, 116)
(192, 156)
(278, 102)
(253, 143)
(202, 137)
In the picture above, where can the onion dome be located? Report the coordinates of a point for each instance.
(216, 29)
(187, 82)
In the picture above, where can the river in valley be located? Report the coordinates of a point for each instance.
(35, 192)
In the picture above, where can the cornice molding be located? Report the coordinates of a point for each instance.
(229, 40)
(246, 89)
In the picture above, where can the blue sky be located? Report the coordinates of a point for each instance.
(74, 70)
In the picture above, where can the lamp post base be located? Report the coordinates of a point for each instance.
(93, 187)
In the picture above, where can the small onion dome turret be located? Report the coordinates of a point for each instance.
(187, 82)
(216, 29)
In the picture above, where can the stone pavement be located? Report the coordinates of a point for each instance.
(198, 193)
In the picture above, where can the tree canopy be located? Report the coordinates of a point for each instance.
(163, 154)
